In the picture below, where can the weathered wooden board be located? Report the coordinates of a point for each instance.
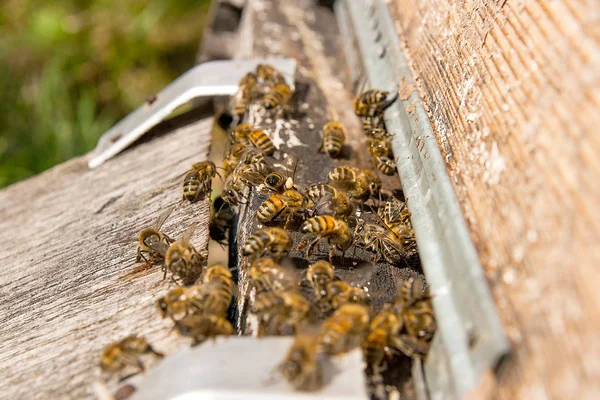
(65, 253)
(513, 91)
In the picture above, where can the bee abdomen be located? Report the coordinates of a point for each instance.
(385, 165)
(333, 138)
(321, 223)
(270, 208)
(191, 186)
(262, 141)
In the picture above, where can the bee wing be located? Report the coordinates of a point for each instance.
(288, 272)
(323, 206)
(163, 217)
(188, 233)
(359, 276)
(252, 178)
(160, 247)
(290, 163)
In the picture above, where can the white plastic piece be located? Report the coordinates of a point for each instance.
(237, 368)
(213, 78)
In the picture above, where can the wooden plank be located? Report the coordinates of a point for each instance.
(513, 91)
(62, 289)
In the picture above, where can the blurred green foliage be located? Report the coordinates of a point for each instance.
(70, 69)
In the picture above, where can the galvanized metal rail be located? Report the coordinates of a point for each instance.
(470, 339)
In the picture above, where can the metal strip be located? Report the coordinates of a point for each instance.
(470, 336)
(214, 78)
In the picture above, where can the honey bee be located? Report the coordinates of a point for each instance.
(179, 302)
(319, 275)
(385, 165)
(269, 75)
(334, 136)
(183, 260)
(351, 179)
(327, 227)
(280, 181)
(152, 243)
(383, 331)
(245, 95)
(394, 212)
(372, 123)
(340, 292)
(273, 241)
(279, 96)
(382, 241)
(302, 366)
(279, 312)
(416, 318)
(372, 102)
(116, 356)
(221, 221)
(204, 326)
(232, 157)
(247, 134)
(285, 204)
(233, 189)
(267, 275)
(327, 200)
(197, 183)
(378, 146)
(373, 183)
(343, 330)
(217, 291)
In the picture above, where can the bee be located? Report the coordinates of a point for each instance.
(217, 291)
(394, 212)
(204, 326)
(303, 365)
(233, 189)
(333, 135)
(279, 96)
(183, 260)
(327, 227)
(382, 241)
(343, 330)
(280, 312)
(232, 157)
(351, 179)
(116, 356)
(245, 95)
(285, 204)
(269, 75)
(221, 221)
(247, 134)
(373, 183)
(197, 183)
(372, 123)
(385, 165)
(267, 275)
(277, 181)
(179, 302)
(152, 242)
(378, 146)
(273, 241)
(372, 102)
(327, 200)
(340, 292)
(383, 331)
(415, 306)
(319, 275)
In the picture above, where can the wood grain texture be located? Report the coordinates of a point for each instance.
(66, 249)
(513, 92)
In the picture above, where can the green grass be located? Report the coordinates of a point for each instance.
(70, 69)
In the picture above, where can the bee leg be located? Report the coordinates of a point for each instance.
(310, 247)
(140, 256)
(331, 251)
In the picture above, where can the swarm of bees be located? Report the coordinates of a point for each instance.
(328, 315)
